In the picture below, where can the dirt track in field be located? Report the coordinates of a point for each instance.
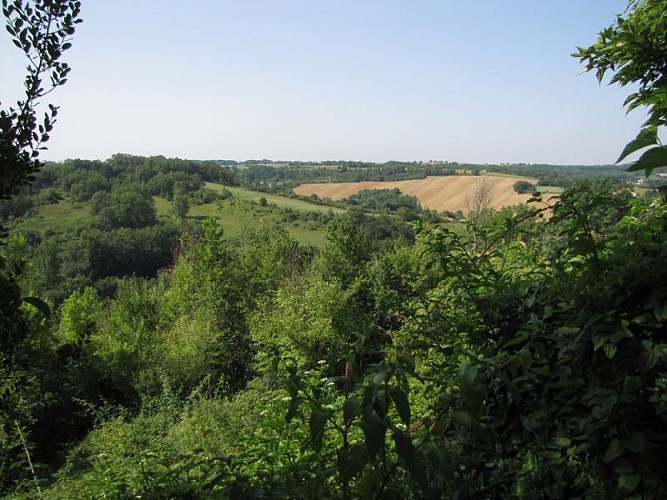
(453, 193)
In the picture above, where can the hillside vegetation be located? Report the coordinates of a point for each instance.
(149, 351)
(512, 356)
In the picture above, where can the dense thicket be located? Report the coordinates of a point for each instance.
(521, 357)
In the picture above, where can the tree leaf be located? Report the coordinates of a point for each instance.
(381, 404)
(467, 373)
(382, 376)
(635, 442)
(599, 339)
(39, 304)
(561, 441)
(628, 482)
(474, 398)
(432, 454)
(646, 137)
(632, 384)
(291, 411)
(407, 452)
(402, 405)
(369, 396)
(614, 451)
(407, 362)
(374, 432)
(610, 350)
(318, 420)
(350, 409)
(650, 160)
(463, 418)
(351, 460)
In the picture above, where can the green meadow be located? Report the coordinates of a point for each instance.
(245, 194)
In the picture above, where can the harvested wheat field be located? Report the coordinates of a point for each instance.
(453, 193)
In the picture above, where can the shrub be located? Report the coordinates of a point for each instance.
(524, 187)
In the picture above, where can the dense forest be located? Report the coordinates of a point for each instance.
(150, 348)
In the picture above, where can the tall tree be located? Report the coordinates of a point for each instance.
(41, 29)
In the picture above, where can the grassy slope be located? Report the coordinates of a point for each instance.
(281, 201)
(53, 217)
(234, 216)
(231, 215)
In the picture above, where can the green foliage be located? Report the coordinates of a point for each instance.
(521, 355)
(538, 370)
(347, 250)
(126, 208)
(17, 206)
(218, 283)
(42, 30)
(126, 251)
(86, 185)
(558, 370)
(124, 344)
(307, 318)
(280, 177)
(383, 199)
(379, 449)
(519, 358)
(181, 204)
(77, 317)
(173, 448)
(635, 50)
(524, 187)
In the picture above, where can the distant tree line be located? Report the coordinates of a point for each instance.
(276, 176)
(286, 177)
(565, 175)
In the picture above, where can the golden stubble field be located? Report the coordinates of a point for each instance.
(453, 193)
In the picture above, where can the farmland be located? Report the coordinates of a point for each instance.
(449, 193)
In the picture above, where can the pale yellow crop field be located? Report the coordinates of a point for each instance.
(453, 193)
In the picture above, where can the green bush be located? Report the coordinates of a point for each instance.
(524, 187)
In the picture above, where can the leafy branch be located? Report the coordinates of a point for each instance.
(635, 50)
(42, 30)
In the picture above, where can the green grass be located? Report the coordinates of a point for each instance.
(316, 238)
(56, 216)
(228, 217)
(234, 216)
(244, 194)
(550, 189)
(163, 207)
(65, 209)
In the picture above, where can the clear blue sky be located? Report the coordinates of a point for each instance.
(469, 81)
